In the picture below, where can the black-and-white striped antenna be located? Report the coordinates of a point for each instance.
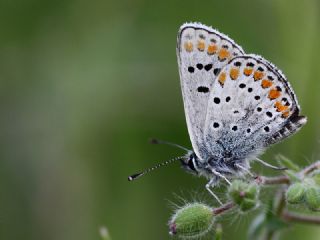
(140, 174)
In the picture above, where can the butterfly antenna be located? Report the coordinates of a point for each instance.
(157, 141)
(140, 174)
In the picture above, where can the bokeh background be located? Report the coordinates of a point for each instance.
(84, 84)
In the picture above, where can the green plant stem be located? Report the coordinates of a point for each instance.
(279, 205)
(270, 235)
(299, 218)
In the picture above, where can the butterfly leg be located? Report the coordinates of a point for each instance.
(269, 165)
(245, 170)
(210, 184)
(221, 176)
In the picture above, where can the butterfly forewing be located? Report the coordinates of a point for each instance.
(250, 106)
(202, 53)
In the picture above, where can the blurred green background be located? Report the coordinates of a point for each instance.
(84, 84)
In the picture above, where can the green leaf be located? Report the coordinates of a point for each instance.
(286, 162)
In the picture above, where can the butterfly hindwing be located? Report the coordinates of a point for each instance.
(251, 105)
(202, 53)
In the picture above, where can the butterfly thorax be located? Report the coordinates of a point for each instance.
(227, 166)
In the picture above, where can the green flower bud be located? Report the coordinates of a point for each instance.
(248, 204)
(295, 193)
(192, 221)
(245, 195)
(312, 197)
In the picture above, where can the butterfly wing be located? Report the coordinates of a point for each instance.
(250, 107)
(202, 52)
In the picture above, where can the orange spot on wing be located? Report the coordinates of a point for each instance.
(286, 114)
(247, 71)
(280, 107)
(201, 45)
(223, 53)
(188, 46)
(266, 83)
(258, 75)
(274, 93)
(234, 73)
(212, 49)
(222, 78)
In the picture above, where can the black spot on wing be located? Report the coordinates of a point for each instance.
(203, 89)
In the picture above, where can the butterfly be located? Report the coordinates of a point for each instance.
(236, 104)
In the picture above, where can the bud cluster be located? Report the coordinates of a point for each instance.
(305, 192)
(244, 195)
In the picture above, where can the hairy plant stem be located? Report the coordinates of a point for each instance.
(223, 208)
(310, 169)
(272, 180)
(285, 179)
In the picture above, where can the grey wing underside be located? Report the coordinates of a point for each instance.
(250, 107)
(202, 52)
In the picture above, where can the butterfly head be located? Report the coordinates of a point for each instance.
(191, 163)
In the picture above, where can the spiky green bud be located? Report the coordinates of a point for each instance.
(295, 193)
(244, 194)
(312, 198)
(192, 221)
